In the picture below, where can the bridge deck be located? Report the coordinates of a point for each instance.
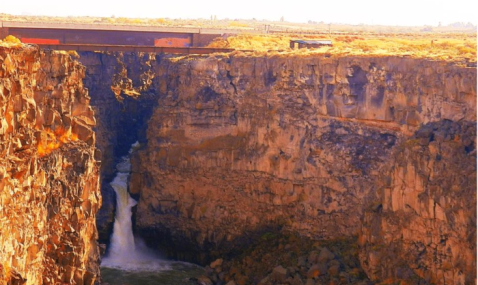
(85, 34)
(131, 48)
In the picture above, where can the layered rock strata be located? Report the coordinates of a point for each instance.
(49, 192)
(239, 145)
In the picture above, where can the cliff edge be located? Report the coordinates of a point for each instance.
(49, 191)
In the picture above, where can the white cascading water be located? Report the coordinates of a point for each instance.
(123, 252)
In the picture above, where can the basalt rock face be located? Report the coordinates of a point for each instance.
(121, 119)
(424, 221)
(240, 145)
(49, 192)
(233, 147)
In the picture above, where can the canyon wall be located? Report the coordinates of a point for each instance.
(237, 146)
(240, 145)
(49, 192)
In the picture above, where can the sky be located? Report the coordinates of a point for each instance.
(377, 12)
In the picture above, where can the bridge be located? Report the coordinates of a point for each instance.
(130, 48)
(99, 37)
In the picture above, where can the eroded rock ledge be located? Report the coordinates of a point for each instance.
(49, 192)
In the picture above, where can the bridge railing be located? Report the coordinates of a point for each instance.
(124, 48)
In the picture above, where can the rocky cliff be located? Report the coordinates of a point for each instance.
(49, 192)
(242, 145)
(424, 220)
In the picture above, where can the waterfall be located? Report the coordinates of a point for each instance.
(123, 252)
(122, 242)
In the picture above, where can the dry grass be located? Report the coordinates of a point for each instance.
(252, 42)
(10, 42)
(236, 24)
(11, 39)
(448, 47)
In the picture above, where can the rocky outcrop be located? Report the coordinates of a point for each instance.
(240, 145)
(49, 192)
(423, 224)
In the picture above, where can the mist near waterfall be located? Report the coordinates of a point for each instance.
(125, 252)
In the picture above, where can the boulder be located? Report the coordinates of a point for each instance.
(279, 274)
(216, 263)
(317, 270)
(325, 255)
(203, 280)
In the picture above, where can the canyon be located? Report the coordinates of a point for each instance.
(236, 147)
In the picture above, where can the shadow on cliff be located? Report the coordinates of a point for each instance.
(185, 248)
(121, 119)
